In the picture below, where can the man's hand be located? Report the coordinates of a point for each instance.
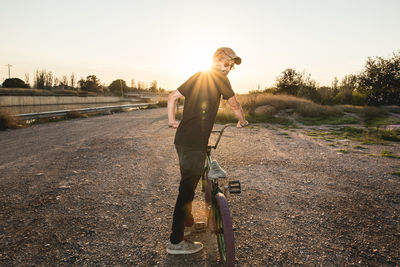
(174, 124)
(172, 99)
(237, 109)
(241, 125)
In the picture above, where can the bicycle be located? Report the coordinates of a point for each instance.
(218, 216)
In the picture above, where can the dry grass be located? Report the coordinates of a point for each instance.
(73, 114)
(37, 92)
(303, 107)
(9, 121)
(316, 110)
(280, 102)
(162, 103)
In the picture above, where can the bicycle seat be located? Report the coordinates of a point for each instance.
(216, 171)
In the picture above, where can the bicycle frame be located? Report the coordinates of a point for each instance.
(215, 186)
(234, 186)
(217, 207)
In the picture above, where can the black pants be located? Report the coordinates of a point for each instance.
(191, 164)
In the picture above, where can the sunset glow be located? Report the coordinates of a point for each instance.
(168, 41)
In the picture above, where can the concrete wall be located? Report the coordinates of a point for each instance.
(54, 100)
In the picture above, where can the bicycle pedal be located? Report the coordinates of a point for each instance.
(234, 187)
(199, 226)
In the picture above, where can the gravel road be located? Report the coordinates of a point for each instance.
(101, 191)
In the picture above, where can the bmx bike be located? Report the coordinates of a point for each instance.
(218, 216)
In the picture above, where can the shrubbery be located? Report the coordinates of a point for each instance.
(8, 121)
(377, 84)
(118, 87)
(380, 80)
(15, 83)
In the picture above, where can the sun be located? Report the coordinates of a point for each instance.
(195, 61)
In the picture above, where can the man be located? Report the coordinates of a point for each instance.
(202, 94)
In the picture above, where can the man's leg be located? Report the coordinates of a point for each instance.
(191, 165)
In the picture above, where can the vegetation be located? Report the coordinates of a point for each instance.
(162, 103)
(380, 80)
(118, 87)
(286, 106)
(91, 84)
(377, 84)
(366, 136)
(389, 154)
(73, 114)
(37, 92)
(15, 83)
(8, 121)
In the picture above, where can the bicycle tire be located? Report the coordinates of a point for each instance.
(207, 190)
(225, 237)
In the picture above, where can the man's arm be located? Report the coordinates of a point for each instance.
(171, 107)
(237, 109)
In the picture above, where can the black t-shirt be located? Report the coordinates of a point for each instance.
(202, 94)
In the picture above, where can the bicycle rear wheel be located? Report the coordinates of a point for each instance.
(207, 190)
(224, 231)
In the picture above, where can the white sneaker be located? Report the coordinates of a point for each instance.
(184, 247)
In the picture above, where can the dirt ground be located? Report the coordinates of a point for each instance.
(101, 191)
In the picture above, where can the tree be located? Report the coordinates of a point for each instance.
(14, 83)
(49, 80)
(380, 80)
(298, 84)
(153, 86)
(289, 82)
(345, 91)
(118, 87)
(72, 79)
(91, 84)
(27, 78)
(39, 79)
(64, 81)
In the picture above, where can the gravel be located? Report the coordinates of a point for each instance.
(101, 191)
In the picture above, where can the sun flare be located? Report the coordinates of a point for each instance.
(195, 61)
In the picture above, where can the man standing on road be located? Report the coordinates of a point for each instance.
(202, 94)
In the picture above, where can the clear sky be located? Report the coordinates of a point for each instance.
(169, 40)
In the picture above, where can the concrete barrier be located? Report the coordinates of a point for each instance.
(55, 100)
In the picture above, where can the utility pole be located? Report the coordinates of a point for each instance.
(9, 66)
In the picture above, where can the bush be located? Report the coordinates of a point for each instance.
(289, 82)
(389, 135)
(73, 114)
(316, 110)
(380, 80)
(280, 102)
(327, 95)
(118, 87)
(310, 93)
(15, 83)
(358, 99)
(8, 121)
(91, 84)
(369, 113)
(162, 103)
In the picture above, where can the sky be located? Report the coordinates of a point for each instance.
(168, 41)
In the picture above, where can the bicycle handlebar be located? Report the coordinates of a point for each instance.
(220, 135)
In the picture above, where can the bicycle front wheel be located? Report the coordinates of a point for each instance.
(224, 231)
